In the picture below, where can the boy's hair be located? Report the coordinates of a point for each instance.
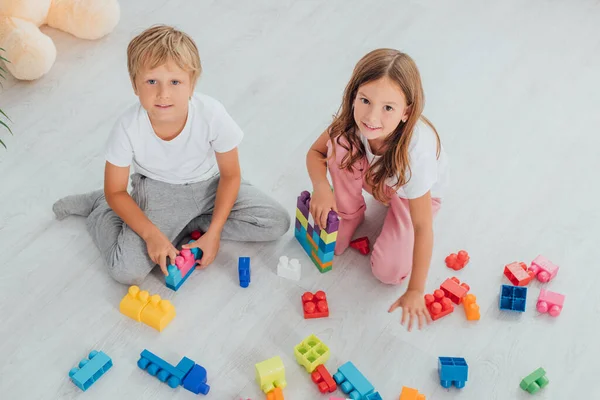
(394, 163)
(158, 44)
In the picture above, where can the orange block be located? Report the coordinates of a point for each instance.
(275, 394)
(411, 394)
(158, 313)
(471, 307)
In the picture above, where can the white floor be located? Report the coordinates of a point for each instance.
(514, 89)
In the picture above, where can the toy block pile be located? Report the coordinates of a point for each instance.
(151, 310)
(185, 264)
(440, 303)
(186, 373)
(319, 244)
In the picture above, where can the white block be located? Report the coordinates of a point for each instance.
(289, 269)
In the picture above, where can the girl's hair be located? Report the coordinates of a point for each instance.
(159, 44)
(402, 70)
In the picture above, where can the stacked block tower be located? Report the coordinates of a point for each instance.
(318, 243)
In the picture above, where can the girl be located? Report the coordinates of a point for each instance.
(380, 141)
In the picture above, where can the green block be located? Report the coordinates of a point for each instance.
(535, 381)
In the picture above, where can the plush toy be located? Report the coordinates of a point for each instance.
(30, 52)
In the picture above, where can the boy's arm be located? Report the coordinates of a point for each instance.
(117, 197)
(227, 190)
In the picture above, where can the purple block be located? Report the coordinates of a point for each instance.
(303, 208)
(310, 230)
(298, 224)
(333, 222)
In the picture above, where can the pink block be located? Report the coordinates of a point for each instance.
(543, 268)
(185, 261)
(550, 302)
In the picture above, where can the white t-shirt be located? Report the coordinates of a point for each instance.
(428, 173)
(189, 157)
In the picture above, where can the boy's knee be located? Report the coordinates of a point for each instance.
(388, 271)
(127, 276)
(281, 222)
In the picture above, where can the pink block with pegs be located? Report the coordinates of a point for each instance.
(550, 302)
(543, 268)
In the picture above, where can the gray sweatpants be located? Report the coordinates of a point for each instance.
(177, 210)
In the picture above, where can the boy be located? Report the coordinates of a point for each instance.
(183, 146)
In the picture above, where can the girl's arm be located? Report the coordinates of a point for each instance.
(316, 163)
(117, 197)
(422, 220)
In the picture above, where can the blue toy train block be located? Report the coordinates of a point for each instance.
(244, 271)
(90, 370)
(513, 298)
(353, 383)
(195, 381)
(453, 370)
(158, 367)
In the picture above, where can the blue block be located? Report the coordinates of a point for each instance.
(158, 367)
(513, 298)
(182, 281)
(352, 382)
(244, 271)
(185, 365)
(453, 370)
(174, 278)
(374, 396)
(325, 257)
(89, 371)
(195, 381)
(326, 248)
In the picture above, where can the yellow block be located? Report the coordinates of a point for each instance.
(134, 302)
(311, 352)
(328, 237)
(270, 374)
(302, 218)
(158, 313)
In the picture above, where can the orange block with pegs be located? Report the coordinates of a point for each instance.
(411, 394)
(454, 290)
(158, 313)
(275, 394)
(438, 304)
(518, 274)
(471, 307)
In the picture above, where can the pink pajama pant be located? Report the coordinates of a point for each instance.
(392, 255)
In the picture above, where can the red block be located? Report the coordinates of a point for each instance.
(362, 245)
(323, 379)
(517, 274)
(455, 290)
(315, 305)
(457, 261)
(196, 235)
(438, 304)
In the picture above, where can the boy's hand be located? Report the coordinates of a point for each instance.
(321, 203)
(159, 248)
(413, 306)
(209, 244)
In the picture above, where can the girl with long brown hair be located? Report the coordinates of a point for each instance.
(381, 142)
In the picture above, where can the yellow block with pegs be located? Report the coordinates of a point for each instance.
(151, 310)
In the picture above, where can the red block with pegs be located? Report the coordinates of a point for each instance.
(518, 274)
(455, 290)
(315, 305)
(361, 244)
(196, 235)
(457, 261)
(323, 379)
(438, 304)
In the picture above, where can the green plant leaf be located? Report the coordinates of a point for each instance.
(2, 123)
(7, 117)
(4, 59)
(2, 143)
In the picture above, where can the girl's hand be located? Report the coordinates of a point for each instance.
(159, 248)
(209, 244)
(413, 306)
(321, 203)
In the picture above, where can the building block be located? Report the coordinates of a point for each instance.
(244, 271)
(323, 379)
(471, 307)
(195, 380)
(438, 304)
(543, 268)
(90, 370)
(513, 298)
(270, 374)
(187, 373)
(158, 313)
(315, 305)
(185, 264)
(289, 269)
(134, 302)
(275, 394)
(457, 261)
(373, 396)
(518, 274)
(196, 235)
(311, 352)
(453, 370)
(338, 398)
(353, 383)
(411, 394)
(318, 243)
(550, 302)
(362, 245)
(535, 381)
(454, 290)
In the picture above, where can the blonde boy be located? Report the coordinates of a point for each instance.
(183, 147)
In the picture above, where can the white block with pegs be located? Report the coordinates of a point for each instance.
(289, 269)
